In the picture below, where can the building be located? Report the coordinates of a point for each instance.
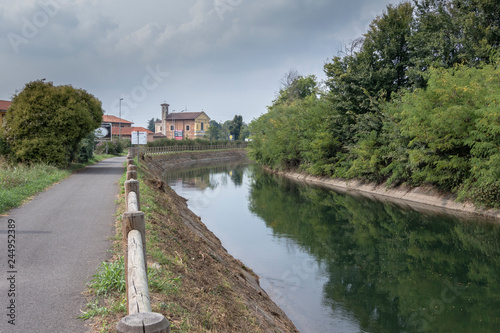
(4, 105)
(158, 126)
(116, 123)
(123, 128)
(183, 125)
(126, 132)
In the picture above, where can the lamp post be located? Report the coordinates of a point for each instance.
(120, 121)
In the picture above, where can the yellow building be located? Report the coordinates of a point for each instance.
(183, 125)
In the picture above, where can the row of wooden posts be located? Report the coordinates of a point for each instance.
(140, 318)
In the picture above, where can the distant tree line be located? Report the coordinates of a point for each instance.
(235, 129)
(415, 100)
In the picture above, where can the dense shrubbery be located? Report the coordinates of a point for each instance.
(4, 145)
(405, 105)
(115, 147)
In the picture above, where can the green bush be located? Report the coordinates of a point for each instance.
(115, 147)
(4, 145)
(46, 123)
(85, 149)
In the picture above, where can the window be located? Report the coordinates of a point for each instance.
(171, 127)
(187, 127)
(202, 126)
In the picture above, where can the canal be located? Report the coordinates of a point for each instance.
(340, 263)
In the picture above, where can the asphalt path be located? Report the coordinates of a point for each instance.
(61, 237)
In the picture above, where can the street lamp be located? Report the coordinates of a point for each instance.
(120, 121)
(173, 121)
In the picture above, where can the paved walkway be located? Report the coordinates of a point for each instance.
(61, 237)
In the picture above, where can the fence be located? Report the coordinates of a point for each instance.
(139, 317)
(172, 149)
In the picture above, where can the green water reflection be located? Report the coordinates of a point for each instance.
(396, 270)
(392, 269)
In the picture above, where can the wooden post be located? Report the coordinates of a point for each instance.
(137, 293)
(132, 221)
(151, 322)
(131, 174)
(130, 162)
(132, 202)
(132, 185)
(132, 167)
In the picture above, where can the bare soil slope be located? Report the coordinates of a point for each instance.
(218, 291)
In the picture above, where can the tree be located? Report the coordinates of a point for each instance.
(151, 124)
(235, 127)
(245, 131)
(450, 32)
(295, 87)
(46, 123)
(214, 130)
(378, 68)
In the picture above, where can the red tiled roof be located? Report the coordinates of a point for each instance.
(112, 119)
(183, 115)
(128, 130)
(4, 105)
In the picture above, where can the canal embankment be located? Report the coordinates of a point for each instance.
(426, 198)
(214, 291)
(421, 198)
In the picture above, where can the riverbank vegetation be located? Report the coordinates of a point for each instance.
(414, 101)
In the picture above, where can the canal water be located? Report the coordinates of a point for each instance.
(340, 263)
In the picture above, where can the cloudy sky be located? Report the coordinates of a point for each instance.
(224, 57)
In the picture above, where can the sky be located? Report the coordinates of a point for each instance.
(224, 57)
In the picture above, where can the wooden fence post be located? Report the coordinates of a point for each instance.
(150, 322)
(132, 185)
(138, 296)
(131, 174)
(132, 221)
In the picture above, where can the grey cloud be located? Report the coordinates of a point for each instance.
(217, 56)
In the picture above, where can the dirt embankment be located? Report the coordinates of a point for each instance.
(211, 278)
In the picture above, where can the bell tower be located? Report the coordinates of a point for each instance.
(164, 114)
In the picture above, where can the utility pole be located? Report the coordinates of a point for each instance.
(120, 121)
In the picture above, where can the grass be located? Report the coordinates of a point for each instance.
(108, 284)
(110, 278)
(20, 182)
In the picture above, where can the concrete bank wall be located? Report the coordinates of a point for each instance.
(420, 198)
